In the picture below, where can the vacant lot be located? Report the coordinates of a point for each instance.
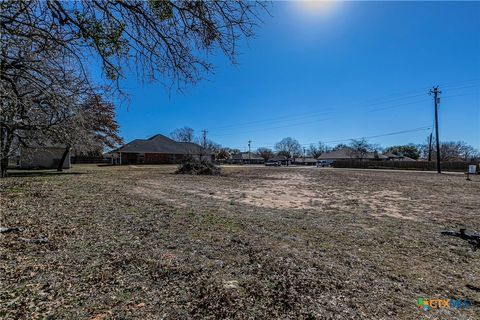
(142, 243)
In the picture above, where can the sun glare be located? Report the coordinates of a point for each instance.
(315, 7)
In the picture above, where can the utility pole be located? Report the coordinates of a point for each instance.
(249, 154)
(303, 155)
(430, 147)
(436, 99)
(204, 134)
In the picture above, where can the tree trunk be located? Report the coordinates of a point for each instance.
(3, 167)
(62, 160)
(6, 144)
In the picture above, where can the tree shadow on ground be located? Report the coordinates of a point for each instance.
(39, 173)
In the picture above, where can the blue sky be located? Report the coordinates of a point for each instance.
(329, 73)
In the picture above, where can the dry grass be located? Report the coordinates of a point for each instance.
(143, 243)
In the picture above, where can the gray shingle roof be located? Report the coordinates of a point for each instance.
(300, 159)
(278, 158)
(161, 144)
(244, 156)
(347, 153)
(344, 153)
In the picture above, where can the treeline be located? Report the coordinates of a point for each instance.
(291, 148)
(359, 148)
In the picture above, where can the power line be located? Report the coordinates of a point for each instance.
(461, 83)
(364, 137)
(460, 95)
(328, 110)
(326, 119)
(315, 121)
(383, 135)
(383, 100)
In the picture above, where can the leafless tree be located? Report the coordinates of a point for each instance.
(265, 153)
(159, 40)
(317, 150)
(339, 146)
(38, 90)
(223, 154)
(208, 144)
(455, 150)
(184, 134)
(290, 147)
(359, 148)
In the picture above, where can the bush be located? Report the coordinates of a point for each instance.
(193, 166)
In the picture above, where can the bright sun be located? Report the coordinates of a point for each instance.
(315, 7)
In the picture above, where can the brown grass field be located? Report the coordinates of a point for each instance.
(139, 242)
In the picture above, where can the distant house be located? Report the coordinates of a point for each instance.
(305, 161)
(374, 156)
(349, 154)
(397, 157)
(282, 159)
(158, 149)
(247, 158)
(42, 157)
(340, 154)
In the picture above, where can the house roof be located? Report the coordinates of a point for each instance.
(300, 159)
(161, 144)
(278, 158)
(375, 155)
(398, 157)
(391, 155)
(347, 153)
(343, 153)
(245, 156)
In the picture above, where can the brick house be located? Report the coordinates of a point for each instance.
(247, 158)
(158, 149)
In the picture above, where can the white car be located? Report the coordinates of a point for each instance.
(272, 163)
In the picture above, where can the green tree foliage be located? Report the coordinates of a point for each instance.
(409, 150)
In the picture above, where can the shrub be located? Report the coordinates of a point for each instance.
(197, 167)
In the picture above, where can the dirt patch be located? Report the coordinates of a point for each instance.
(294, 189)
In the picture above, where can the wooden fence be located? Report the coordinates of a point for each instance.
(77, 160)
(459, 166)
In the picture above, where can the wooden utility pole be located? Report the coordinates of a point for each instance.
(204, 134)
(430, 147)
(436, 100)
(249, 154)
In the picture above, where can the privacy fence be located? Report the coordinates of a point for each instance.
(76, 160)
(460, 166)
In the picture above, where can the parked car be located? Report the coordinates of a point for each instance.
(272, 163)
(324, 163)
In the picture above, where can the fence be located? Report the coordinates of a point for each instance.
(460, 166)
(77, 160)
